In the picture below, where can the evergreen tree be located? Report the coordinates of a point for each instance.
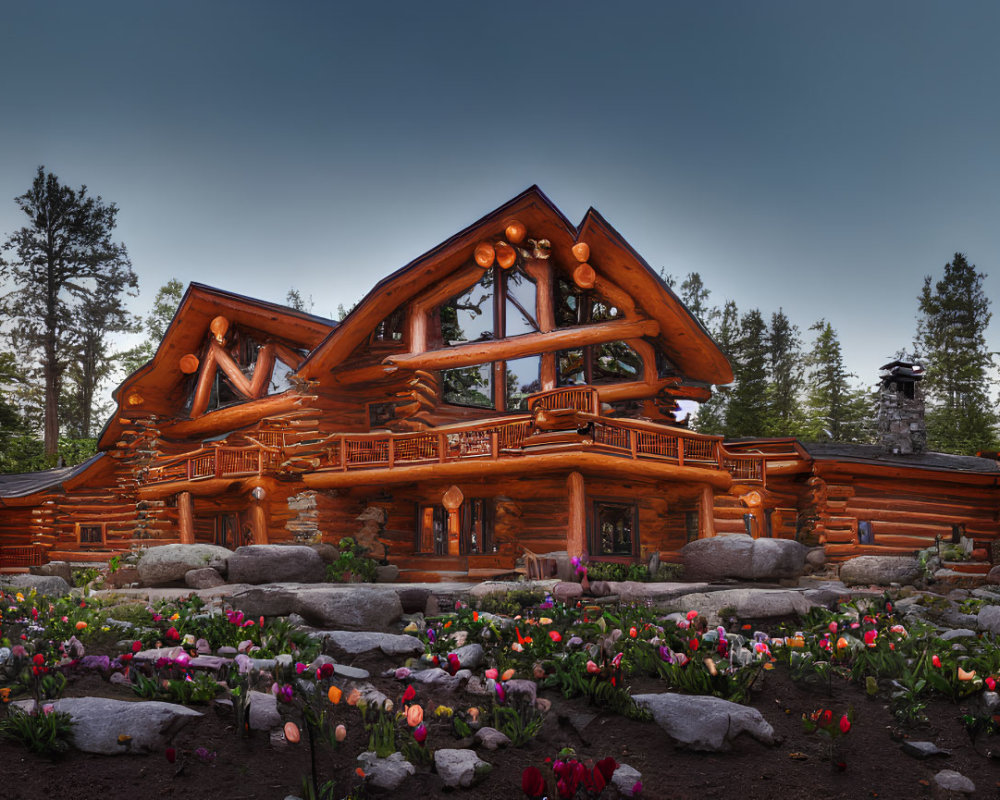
(951, 337)
(165, 303)
(294, 299)
(63, 254)
(694, 295)
(784, 351)
(747, 413)
(711, 415)
(835, 410)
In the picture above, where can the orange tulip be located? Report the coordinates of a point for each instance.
(81, 625)
(414, 715)
(966, 676)
(507, 675)
(292, 732)
(334, 694)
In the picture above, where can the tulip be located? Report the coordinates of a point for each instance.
(633, 632)
(833, 627)
(841, 643)
(870, 637)
(507, 674)
(292, 732)
(409, 694)
(334, 694)
(532, 782)
(340, 733)
(555, 636)
(991, 683)
(492, 673)
(473, 714)
(592, 668)
(966, 676)
(420, 734)
(936, 661)
(414, 715)
(171, 754)
(691, 615)
(81, 625)
(353, 697)
(693, 644)
(845, 724)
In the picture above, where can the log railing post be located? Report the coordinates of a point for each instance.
(680, 451)
(442, 447)
(495, 444)
(343, 453)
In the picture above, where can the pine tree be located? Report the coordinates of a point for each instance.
(747, 413)
(711, 415)
(951, 337)
(165, 303)
(784, 351)
(61, 256)
(835, 410)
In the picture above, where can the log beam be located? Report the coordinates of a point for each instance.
(706, 512)
(185, 517)
(467, 355)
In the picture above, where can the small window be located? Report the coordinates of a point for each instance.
(615, 530)
(691, 525)
(390, 329)
(865, 533)
(432, 530)
(91, 534)
(477, 526)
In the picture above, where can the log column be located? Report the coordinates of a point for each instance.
(185, 517)
(707, 513)
(576, 534)
(452, 502)
(258, 516)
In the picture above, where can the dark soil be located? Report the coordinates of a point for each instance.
(797, 767)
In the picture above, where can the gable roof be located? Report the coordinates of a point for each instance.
(28, 483)
(160, 381)
(682, 337)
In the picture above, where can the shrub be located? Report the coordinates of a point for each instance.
(46, 734)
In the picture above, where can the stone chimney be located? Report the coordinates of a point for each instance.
(901, 424)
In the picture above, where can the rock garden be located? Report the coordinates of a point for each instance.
(748, 678)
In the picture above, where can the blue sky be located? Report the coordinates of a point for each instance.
(822, 158)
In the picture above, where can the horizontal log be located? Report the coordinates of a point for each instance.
(529, 344)
(599, 463)
(232, 417)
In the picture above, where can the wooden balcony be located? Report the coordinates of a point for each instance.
(216, 462)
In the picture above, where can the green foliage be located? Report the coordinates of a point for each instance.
(168, 298)
(84, 575)
(352, 565)
(951, 336)
(835, 410)
(748, 405)
(511, 603)
(47, 734)
(380, 724)
(518, 720)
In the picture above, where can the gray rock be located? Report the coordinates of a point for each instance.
(267, 601)
(354, 642)
(879, 570)
(413, 598)
(957, 633)
(922, 750)
(169, 563)
(5, 654)
(744, 604)
(523, 689)
(719, 557)
(274, 563)
(947, 780)
(353, 673)
(264, 711)
(816, 557)
(988, 619)
(625, 779)
(774, 559)
(326, 551)
(491, 738)
(46, 585)
(99, 724)
(386, 573)
(460, 769)
(470, 656)
(204, 578)
(705, 723)
(567, 592)
(353, 608)
(386, 773)
(436, 677)
(487, 588)
(58, 569)
(209, 663)
(993, 576)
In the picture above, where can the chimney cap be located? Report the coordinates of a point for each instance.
(903, 369)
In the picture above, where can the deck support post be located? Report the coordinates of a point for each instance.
(576, 534)
(185, 517)
(707, 512)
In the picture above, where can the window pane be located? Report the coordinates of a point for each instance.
(567, 304)
(570, 368)
(469, 386)
(523, 378)
(615, 362)
(468, 317)
(614, 522)
(520, 305)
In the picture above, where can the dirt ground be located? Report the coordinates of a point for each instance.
(797, 767)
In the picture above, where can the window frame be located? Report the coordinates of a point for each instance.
(100, 526)
(593, 536)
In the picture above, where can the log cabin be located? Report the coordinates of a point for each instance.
(514, 390)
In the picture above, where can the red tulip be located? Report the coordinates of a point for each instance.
(172, 633)
(532, 782)
(555, 636)
(845, 724)
(607, 767)
(693, 644)
(827, 717)
(870, 637)
(420, 733)
(171, 754)
(409, 694)
(136, 646)
(991, 683)
(38, 659)
(936, 661)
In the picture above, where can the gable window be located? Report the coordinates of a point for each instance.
(574, 306)
(611, 362)
(614, 530)
(500, 305)
(91, 533)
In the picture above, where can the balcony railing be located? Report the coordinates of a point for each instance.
(215, 462)
(20, 556)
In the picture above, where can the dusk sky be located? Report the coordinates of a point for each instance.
(820, 157)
